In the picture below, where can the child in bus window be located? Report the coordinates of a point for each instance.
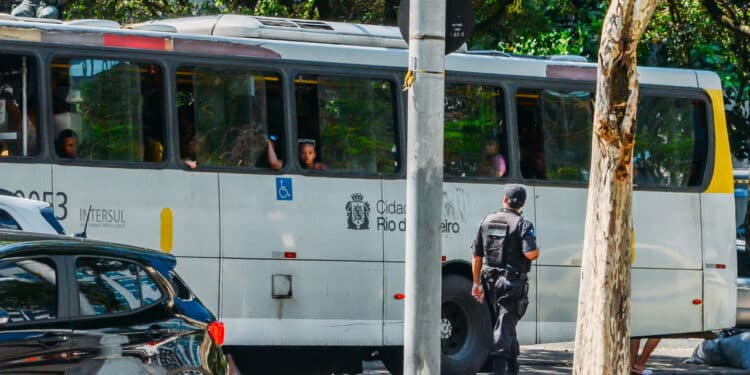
(307, 155)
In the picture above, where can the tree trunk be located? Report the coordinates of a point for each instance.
(602, 328)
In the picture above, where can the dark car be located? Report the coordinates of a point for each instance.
(85, 307)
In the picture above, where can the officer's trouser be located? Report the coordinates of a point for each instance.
(507, 296)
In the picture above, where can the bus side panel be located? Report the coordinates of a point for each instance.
(557, 302)
(265, 216)
(31, 181)
(202, 277)
(331, 303)
(654, 309)
(719, 247)
(169, 210)
(393, 319)
(667, 230)
(560, 218)
(662, 301)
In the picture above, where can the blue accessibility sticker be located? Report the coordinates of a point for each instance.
(284, 189)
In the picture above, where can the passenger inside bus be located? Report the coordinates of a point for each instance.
(494, 162)
(188, 144)
(307, 155)
(188, 151)
(13, 127)
(67, 144)
(269, 158)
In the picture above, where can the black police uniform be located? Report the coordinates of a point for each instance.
(501, 241)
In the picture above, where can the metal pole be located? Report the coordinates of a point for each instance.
(424, 188)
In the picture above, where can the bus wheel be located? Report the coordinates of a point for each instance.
(465, 330)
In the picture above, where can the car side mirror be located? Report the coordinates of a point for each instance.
(4, 317)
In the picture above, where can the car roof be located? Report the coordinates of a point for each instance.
(24, 203)
(15, 243)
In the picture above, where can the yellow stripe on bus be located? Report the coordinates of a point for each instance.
(722, 180)
(166, 230)
(28, 35)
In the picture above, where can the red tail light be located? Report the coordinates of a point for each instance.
(216, 331)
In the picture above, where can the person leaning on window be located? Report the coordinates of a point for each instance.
(269, 158)
(307, 155)
(67, 144)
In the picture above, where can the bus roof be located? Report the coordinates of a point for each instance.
(318, 41)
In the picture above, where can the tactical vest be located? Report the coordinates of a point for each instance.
(502, 242)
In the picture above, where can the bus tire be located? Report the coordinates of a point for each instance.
(465, 330)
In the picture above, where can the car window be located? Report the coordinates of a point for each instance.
(182, 290)
(110, 286)
(149, 290)
(7, 221)
(28, 289)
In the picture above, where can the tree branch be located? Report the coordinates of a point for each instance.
(720, 17)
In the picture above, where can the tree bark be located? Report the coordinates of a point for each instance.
(602, 328)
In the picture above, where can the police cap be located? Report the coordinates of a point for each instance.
(516, 195)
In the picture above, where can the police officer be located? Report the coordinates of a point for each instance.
(504, 247)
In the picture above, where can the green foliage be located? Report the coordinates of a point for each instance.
(110, 124)
(356, 124)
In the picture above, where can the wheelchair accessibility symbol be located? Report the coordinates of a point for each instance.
(283, 189)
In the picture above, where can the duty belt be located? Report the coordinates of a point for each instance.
(504, 272)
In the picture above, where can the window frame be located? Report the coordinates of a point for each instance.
(696, 93)
(8, 213)
(75, 305)
(40, 59)
(687, 94)
(181, 61)
(62, 290)
(358, 72)
(108, 54)
(512, 172)
(542, 84)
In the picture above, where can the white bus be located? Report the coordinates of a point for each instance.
(181, 127)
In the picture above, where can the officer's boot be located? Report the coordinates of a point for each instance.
(513, 367)
(498, 365)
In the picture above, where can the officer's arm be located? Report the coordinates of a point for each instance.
(476, 269)
(531, 254)
(528, 238)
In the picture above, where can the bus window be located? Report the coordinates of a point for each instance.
(230, 118)
(18, 85)
(347, 124)
(108, 110)
(475, 132)
(671, 142)
(554, 134)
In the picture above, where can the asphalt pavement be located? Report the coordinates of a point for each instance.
(549, 359)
